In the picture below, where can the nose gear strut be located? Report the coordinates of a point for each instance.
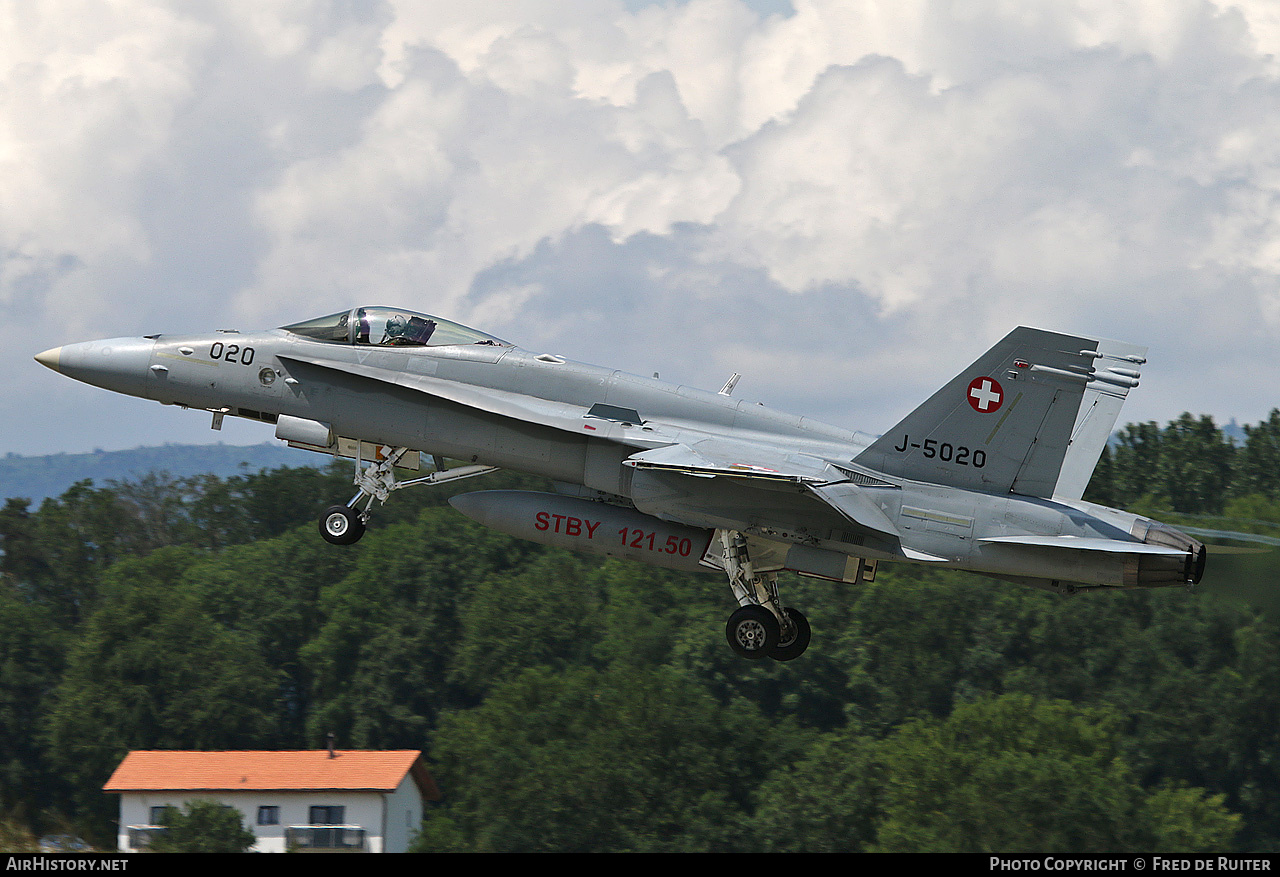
(344, 525)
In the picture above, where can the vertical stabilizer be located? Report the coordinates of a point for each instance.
(1004, 424)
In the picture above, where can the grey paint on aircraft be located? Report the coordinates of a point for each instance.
(986, 475)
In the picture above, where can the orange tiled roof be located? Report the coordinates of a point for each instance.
(310, 769)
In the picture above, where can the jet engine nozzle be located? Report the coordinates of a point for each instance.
(1164, 571)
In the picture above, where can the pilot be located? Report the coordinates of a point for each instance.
(396, 327)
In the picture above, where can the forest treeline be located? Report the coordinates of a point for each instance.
(571, 703)
(1189, 466)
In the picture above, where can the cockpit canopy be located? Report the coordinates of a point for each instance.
(390, 327)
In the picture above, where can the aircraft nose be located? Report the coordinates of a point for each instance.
(49, 358)
(118, 364)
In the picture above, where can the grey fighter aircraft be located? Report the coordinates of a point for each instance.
(986, 476)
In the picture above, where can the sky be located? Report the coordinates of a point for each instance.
(845, 201)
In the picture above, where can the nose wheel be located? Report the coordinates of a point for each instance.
(341, 525)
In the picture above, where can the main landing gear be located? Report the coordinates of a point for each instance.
(345, 524)
(761, 626)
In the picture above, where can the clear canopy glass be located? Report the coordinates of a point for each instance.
(390, 327)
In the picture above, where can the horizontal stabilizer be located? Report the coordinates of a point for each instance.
(1086, 543)
(856, 506)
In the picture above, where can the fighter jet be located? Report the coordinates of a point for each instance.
(986, 476)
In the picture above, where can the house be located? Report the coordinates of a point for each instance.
(309, 800)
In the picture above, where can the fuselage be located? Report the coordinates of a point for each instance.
(495, 404)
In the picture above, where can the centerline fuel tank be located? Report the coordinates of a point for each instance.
(593, 527)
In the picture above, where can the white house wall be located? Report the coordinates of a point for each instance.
(403, 813)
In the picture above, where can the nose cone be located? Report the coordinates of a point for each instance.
(49, 359)
(119, 364)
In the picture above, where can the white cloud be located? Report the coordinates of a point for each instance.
(820, 186)
(85, 114)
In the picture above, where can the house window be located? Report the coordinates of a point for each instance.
(269, 815)
(157, 814)
(326, 815)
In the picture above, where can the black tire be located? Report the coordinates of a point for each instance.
(752, 632)
(790, 648)
(341, 525)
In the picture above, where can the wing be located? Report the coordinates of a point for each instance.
(714, 457)
(759, 485)
(709, 482)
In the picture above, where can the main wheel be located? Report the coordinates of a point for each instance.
(341, 525)
(793, 643)
(752, 632)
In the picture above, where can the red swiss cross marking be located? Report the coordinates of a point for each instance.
(985, 395)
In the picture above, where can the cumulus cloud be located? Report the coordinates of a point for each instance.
(869, 192)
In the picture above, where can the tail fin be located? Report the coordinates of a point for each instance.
(1005, 424)
(1115, 374)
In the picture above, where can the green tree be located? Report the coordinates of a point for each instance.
(21, 563)
(76, 537)
(381, 659)
(267, 595)
(828, 801)
(263, 505)
(1257, 464)
(545, 614)
(588, 761)
(1022, 775)
(1134, 461)
(1101, 488)
(152, 670)
(202, 827)
(32, 653)
(1181, 819)
(912, 637)
(1238, 753)
(1195, 465)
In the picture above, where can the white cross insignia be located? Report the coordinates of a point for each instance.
(985, 395)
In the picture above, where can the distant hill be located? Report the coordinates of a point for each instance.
(39, 477)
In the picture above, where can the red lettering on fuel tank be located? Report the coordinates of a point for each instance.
(566, 524)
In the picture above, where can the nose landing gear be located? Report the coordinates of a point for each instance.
(344, 524)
